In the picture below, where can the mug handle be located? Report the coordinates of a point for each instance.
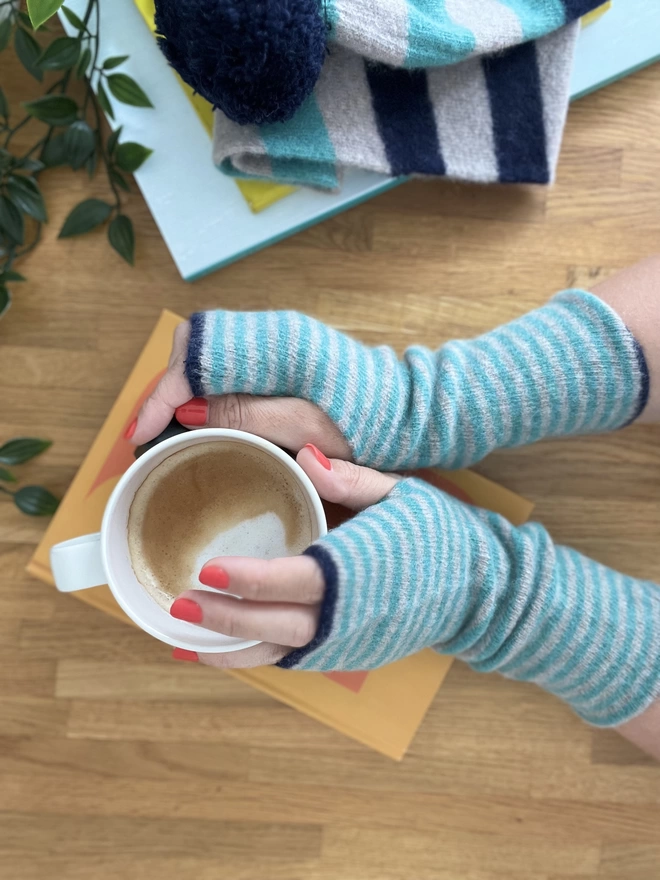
(77, 564)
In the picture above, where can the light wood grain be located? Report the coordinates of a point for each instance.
(114, 761)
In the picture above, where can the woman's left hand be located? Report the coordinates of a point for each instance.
(281, 597)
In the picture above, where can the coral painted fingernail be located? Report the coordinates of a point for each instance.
(186, 609)
(182, 654)
(214, 576)
(318, 455)
(193, 413)
(130, 430)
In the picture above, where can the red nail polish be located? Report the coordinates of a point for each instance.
(186, 609)
(214, 576)
(318, 455)
(193, 413)
(182, 654)
(130, 430)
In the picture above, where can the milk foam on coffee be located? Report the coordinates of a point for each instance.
(221, 498)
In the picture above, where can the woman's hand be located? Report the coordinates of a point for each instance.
(281, 597)
(420, 569)
(286, 421)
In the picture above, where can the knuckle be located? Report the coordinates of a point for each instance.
(302, 633)
(260, 582)
(354, 482)
(217, 661)
(229, 622)
(229, 411)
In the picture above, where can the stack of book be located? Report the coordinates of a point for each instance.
(204, 216)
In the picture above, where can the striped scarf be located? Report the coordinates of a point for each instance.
(469, 89)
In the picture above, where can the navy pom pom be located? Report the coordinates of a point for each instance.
(257, 60)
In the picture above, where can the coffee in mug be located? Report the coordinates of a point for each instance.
(213, 499)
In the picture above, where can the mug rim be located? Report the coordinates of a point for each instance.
(182, 441)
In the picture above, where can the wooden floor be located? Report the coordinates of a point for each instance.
(117, 762)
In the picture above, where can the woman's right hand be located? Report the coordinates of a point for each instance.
(286, 421)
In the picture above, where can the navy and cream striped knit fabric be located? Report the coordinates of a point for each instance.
(570, 367)
(469, 89)
(422, 569)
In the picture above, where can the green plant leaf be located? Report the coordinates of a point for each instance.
(7, 476)
(11, 275)
(115, 61)
(41, 10)
(79, 142)
(53, 109)
(84, 217)
(113, 140)
(61, 54)
(5, 32)
(5, 299)
(131, 155)
(73, 19)
(30, 164)
(127, 90)
(11, 220)
(4, 106)
(26, 195)
(104, 101)
(118, 178)
(22, 449)
(122, 238)
(36, 501)
(83, 64)
(54, 153)
(28, 51)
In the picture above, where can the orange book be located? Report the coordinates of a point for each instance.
(382, 708)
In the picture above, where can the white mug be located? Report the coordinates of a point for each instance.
(103, 558)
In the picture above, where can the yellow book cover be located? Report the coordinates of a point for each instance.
(595, 14)
(382, 708)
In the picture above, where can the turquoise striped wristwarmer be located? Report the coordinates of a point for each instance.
(423, 569)
(570, 367)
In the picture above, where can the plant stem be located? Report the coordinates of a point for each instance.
(7, 491)
(38, 144)
(12, 131)
(104, 155)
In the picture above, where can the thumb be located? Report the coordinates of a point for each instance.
(342, 482)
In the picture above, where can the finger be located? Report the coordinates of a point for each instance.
(172, 390)
(295, 579)
(265, 654)
(344, 482)
(286, 421)
(282, 623)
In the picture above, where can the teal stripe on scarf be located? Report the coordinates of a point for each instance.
(301, 150)
(433, 38)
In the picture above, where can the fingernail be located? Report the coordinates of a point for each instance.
(130, 430)
(193, 413)
(186, 609)
(182, 654)
(318, 455)
(214, 576)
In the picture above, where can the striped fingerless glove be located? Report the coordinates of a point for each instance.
(570, 367)
(423, 569)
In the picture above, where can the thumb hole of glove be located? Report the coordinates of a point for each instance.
(342, 482)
